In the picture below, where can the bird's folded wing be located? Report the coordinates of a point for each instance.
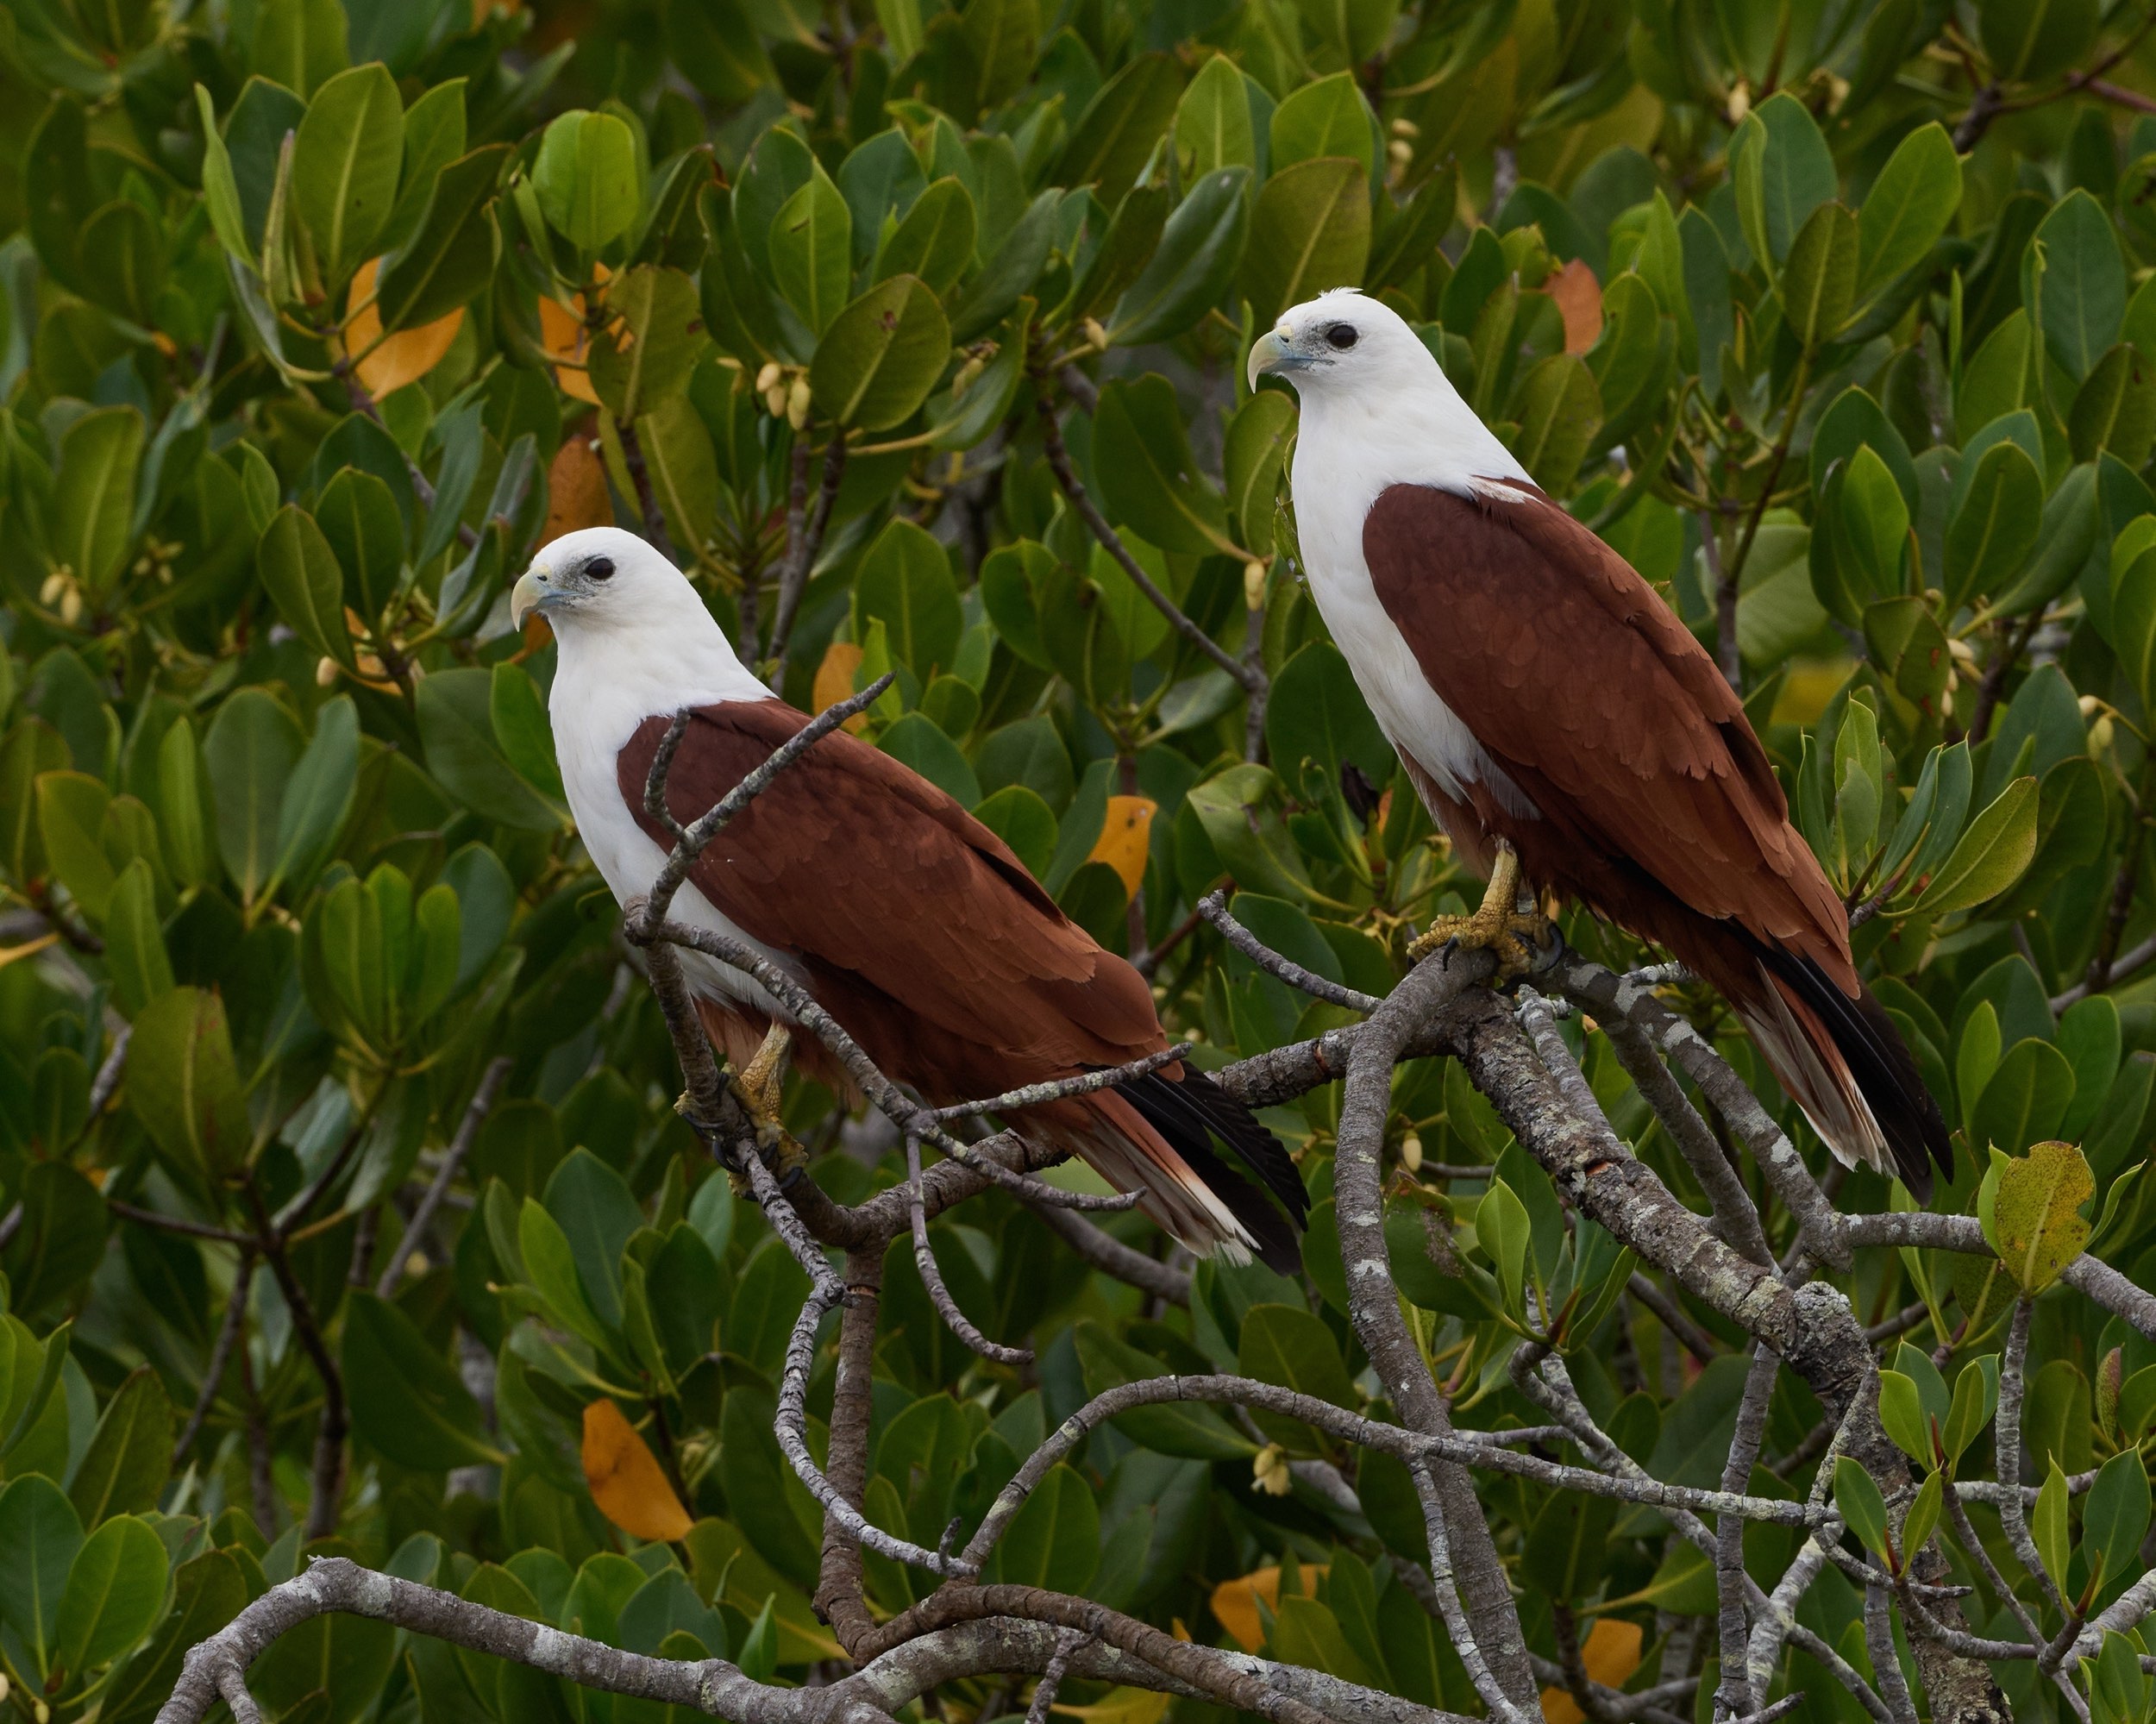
(1577, 679)
(883, 884)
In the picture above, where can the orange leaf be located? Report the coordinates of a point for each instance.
(1235, 1601)
(625, 1480)
(562, 335)
(1579, 297)
(1122, 839)
(406, 356)
(576, 488)
(835, 680)
(1611, 1654)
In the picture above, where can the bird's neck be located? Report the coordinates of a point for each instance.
(607, 681)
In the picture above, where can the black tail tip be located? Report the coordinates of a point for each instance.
(1191, 1111)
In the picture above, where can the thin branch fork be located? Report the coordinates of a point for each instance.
(1214, 908)
(415, 1234)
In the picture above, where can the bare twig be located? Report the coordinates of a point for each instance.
(220, 1355)
(1214, 908)
(1111, 1257)
(415, 1235)
(803, 540)
(932, 1278)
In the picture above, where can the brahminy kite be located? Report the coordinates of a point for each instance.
(908, 920)
(1564, 726)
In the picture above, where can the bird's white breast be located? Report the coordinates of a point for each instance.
(1337, 479)
(595, 711)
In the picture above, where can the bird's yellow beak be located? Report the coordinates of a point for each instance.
(530, 592)
(1269, 353)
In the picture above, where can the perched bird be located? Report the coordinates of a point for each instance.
(1564, 726)
(908, 920)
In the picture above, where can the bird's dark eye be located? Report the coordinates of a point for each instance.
(1342, 335)
(599, 568)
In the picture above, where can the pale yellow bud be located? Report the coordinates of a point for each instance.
(55, 584)
(1254, 585)
(1400, 150)
(774, 400)
(70, 605)
(1411, 1153)
(768, 377)
(1946, 701)
(1095, 333)
(2100, 734)
(2089, 705)
(796, 403)
(1269, 1472)
(40, 1711)
(1406, 128)
(4, 1688)
(1963, 652)
(1739, 104)
(325, 672)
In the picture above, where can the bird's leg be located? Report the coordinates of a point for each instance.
(757, 1086)
(1498, 924)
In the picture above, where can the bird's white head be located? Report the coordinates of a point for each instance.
(1341, 341)
(1375, 395)
(604, 579)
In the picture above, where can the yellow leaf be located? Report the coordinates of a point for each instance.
(1121, 1706)
(835, 680)
(406, 356)
(625, 1480)
(2037, 1209)
(1611, 1654)
(1579, 298)
(1122, 839)
(1235, 1602)
(576, 488)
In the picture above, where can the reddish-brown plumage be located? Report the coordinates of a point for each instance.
(917, 930)
(1656, 807)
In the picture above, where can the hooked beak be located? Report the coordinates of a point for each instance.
(530, 594)
(1270, 356)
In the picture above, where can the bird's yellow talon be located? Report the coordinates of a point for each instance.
(759, 1086)
(1497, 924)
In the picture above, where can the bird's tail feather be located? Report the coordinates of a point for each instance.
(1848, 1069)
(1155, 1134)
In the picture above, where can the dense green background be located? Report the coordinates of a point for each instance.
(277, 789)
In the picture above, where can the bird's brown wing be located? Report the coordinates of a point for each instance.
(1579, 681)
(916, 927)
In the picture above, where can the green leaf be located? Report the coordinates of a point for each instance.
(1150, 481)
(2079, 281)
(1783, 172)
(456, 727)
(1213, 122)
(114, 1595)
(1819, 282)
(1976, 1396)
(2115, 1516)
(1911, 204)
(1328, 117)
(1241, 811)
(1856, 1497)
(1995, 524)
(906, 582)
(684, 471)
(93, 495)
(1311, 230)
(2035, 39)
(519, 715)
(812, 251)
(1560, 409)
(70, 812)
(550, 1265)
(1564, 1558)
(358, 515)
(221, 191)
(40, 1531)
(881, 356)
(1289, 1346)
(252, 749)
(135, 957)
(935, 242)
(407, 1400)
(450, 260)
(345, 163)
(1054, 1540)
(586, 177)
(2048, 1523)
(1120, 126)
(319, 795)
(1200, 247)
(651, 347)
(1255, 453)
(1188, 1429)
(1502, 1230)
(1316, 717)
(1902, 1411)
(1025, 823)
(1990, 855)
(300, 571)
(123, 1471)
(1922, 1518)
(184, 1086)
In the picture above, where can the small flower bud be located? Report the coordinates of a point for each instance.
(1406, 128)
(1739, 104)
(1095, 333)
(55, 584)
(796, 403)
(1400, 151)
(325, 672)
(1254, 585)
(1269, 1471)
(1963, 652)
(2089, 705)
(1411, 1153)
(774, 400)
(70, 605)
(769, 376)
(2100, 734)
